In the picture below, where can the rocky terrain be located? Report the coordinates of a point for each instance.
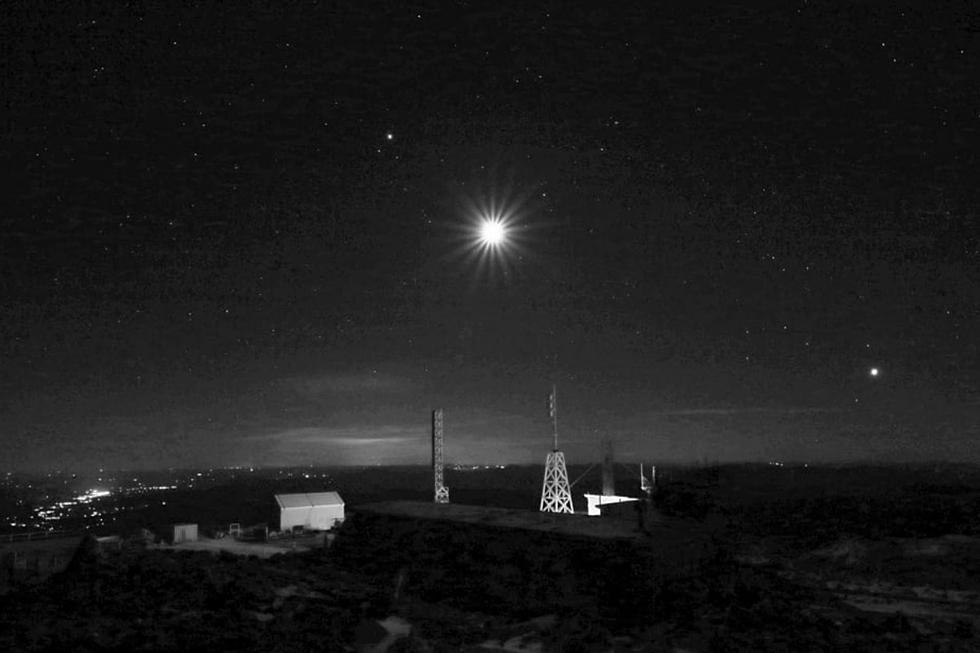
(871, 566)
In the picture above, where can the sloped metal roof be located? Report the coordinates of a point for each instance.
(325, 499)
(309, 500)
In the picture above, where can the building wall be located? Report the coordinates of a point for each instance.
(289, 517)
(185, 533)
(319, 518)
(323, 518)
(594, 501)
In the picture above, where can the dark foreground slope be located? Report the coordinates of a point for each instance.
(456, 587)
(857, 558)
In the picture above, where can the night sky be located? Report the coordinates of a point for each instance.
(241, 233)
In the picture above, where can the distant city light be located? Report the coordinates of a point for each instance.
(92, 494)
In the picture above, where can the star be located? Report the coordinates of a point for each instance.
(492, 232)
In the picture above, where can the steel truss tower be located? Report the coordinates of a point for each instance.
(441, 491)
(556, 494)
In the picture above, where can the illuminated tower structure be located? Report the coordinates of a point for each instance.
(441, 494)
(556, 494)
(608, 475)
(594, 502)
(648, 486)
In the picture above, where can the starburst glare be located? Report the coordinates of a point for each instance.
(492, 236)
(493, 233)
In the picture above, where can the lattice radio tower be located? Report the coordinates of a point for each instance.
(441, 491)
(556, 495)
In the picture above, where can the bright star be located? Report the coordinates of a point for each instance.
(492, 232)
(874, 371)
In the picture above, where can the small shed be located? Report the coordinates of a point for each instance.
(185, 533)
(317, 511)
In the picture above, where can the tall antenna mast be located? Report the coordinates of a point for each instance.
(553, 409)
(556, 494)
(441, 492)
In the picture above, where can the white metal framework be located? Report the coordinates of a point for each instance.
(556, 493)
(441, 492)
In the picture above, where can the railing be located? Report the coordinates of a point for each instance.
(37, 535)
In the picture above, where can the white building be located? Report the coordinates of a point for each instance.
(593, 501)
(317, 511)
(185, 533)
